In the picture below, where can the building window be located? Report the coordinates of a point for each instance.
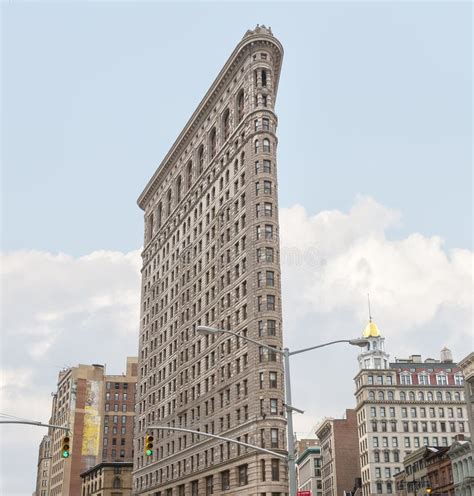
(275, 469)
(209, 485)
(213, 143)
(268, 231)
(274, 406)
(266, 145)
(271, 327)
(226, 124)
(265, 124)
(441, 379)
(240, 106)
(243, 475)
(272, 379)
(267, 187)
(424, 379)
(458, 379)
(274, 438)
(270, 302)
(405, 379)
(225, 480)
(267, 166)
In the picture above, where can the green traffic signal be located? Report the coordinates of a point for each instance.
(66, 447)
(149, 452)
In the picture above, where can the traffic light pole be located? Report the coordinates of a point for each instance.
(215, 436)
(33, 422)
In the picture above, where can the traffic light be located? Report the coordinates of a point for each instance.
(429, 490)
(66, 447)
(148, 445)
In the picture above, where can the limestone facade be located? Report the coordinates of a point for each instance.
(211, 257)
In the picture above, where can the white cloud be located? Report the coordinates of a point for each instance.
(421, 296)
(59, 310)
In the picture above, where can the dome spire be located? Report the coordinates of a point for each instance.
(371, 330)
(368, 304)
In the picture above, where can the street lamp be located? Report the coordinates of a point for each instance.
(288, 406)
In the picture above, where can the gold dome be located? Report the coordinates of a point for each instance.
(371, 330)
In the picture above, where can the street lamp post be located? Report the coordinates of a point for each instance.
(286, 353)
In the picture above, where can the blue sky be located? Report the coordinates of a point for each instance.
(375, 181)
(374, 98)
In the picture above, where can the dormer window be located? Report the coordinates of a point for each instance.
(458, 379)
(405, 379)
(424, 379)
(441, 379)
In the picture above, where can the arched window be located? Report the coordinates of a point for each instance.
(264, 78)
(168, 203)
(430, 396)
(159, 215)
(117, 483)
(266, 145)
(403, 396)
(178, 189)
(213, 142)
(371, 395)
(189, 175)
(439, 396)
(448, 396)
(226, 124)
(411, 395)
(421, 396)
(390, 395)
(200, 159)
(381, 396)
(150, 226)
(240, 106)
(457, 396)
(255, 146)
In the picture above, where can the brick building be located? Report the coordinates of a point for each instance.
(211, 257)
(339, 454)
(99, 412)
(108, 479)
(44, 467)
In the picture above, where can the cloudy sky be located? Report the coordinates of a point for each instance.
(375, 182)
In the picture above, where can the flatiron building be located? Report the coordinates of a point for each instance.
(211, 257)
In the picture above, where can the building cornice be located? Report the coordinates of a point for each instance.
(210, 98)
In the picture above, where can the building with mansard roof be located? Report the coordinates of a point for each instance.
(403, 405)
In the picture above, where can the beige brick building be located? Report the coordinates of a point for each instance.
(44, 467)
(211, 257)
(99, 411)
(108, 479)
(339, 454)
